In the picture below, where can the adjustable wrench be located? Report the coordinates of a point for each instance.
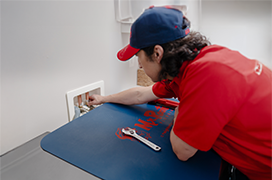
(132, 132)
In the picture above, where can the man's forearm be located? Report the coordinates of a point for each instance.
(137, 95)
(182, 150)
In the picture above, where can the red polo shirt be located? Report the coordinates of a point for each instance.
(225, 104)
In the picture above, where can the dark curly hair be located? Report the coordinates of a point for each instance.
(178, 51)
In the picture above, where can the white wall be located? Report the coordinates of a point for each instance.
(47, 49)
(51, 47)
(240, 25)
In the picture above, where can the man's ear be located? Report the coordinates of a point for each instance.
(158, 53)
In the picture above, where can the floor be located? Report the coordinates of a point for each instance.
(30, 162)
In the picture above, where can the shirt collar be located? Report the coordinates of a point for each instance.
(181, 72)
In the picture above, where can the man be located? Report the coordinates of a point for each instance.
(225, 98)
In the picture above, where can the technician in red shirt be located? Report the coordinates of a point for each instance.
(225, 98)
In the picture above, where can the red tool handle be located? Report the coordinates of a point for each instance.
(166, 102)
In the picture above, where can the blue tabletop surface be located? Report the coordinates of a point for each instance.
(94, 142)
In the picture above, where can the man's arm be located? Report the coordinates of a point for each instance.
(182, 150)
(137, 95)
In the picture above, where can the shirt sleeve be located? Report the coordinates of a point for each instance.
(211, 93)
(162, 90)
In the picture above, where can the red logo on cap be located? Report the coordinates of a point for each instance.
(187, 31)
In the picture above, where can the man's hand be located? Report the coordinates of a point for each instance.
(96, 99)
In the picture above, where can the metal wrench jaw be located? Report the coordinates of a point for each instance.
(132, 132)
(129, 131)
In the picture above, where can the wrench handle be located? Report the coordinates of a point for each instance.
(147, 142)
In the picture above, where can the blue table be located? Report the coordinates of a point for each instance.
(94, 142)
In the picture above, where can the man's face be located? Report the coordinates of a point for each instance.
(151, 67)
